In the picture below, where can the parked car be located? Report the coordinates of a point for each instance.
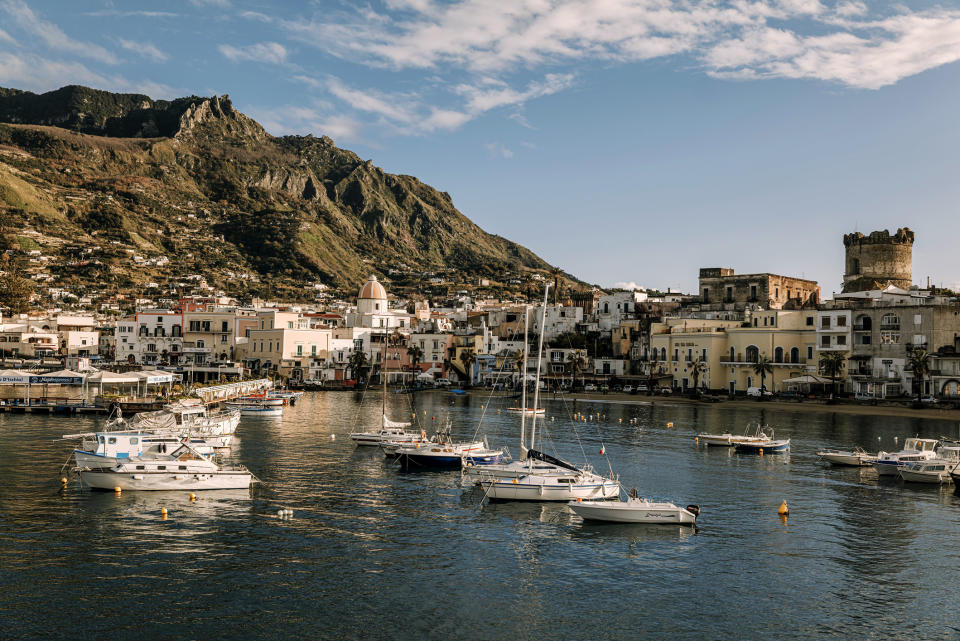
(666, 391)
(589, 387)
(928, 399)
(628, 389)
(442, 382)
(641, 388)
(864, 397)
(755, 391)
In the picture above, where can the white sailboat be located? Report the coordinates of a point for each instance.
(538, 476)
(390, 431)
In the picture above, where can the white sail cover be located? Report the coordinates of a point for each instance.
(160, 420)
(388, 423)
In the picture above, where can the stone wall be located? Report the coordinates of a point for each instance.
(721, 289)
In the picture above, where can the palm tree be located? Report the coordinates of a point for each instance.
(577, 363)
(358, 363)
(557, 273)
(697, 368)
(832, 364)
(761, 367)
(918, 362)
(468, 358)
(416, 355)
(653, 371)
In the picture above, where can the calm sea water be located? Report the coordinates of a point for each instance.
(375, 553)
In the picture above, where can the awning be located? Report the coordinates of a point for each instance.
(108, 378)
(154, 376)
(15, 377)
(63, 377)
(809, 379)
(426, 376)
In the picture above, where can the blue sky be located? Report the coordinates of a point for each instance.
(623, 140)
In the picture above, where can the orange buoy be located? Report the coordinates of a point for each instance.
(784, 510)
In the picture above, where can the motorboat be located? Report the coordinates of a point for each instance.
(182, 469)
(248, 407)
(858, 457)
(915, 450)
(262, 399)
(100, 449)
(635, 509)
(389, 432)
(772, 446)
(935, 470)
(728, 439)
(443, 453)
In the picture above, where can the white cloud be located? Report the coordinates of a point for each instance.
(223, 4)
(51, 35)
(129, 14)
(144, 49)
(6, 37)
(292, 119)
(628, 286)
(498, 150)
(730, 39)
(268, 52)
(480, 100)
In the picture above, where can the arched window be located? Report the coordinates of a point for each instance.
(733, 355)
(795, 355)
(606, 308)
(864, 322)
(753, 354)
(778, 355)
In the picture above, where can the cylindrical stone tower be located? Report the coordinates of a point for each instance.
(878, 260)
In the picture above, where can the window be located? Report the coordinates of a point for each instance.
(729, 294)
(254, 346)
(825, 322)
(916, 319)
(195, 326)
(890, 321)
(753, 354)
(841, 321)
(809, 352)
(703, 354)
(182, 467)
(201, 344)
(223, 338)
(224, 326)
(706, 295)
(889, 338)
(141, 467)
(753, 292)
(824, 341)
(689, 355)
(732, 355)
(134, 440)
(841, 340)
(794, 355)
(313, 350)
(778, 355)
(112, 440)
(289, 324)
(161, 467)
(299, 350)
(676, 354)
(810, 321)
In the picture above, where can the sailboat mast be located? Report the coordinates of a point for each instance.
(523, 384)
(383, 375)
(536, 385)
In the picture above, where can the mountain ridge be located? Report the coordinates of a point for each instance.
(79, 164)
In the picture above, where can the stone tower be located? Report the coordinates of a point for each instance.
(878, 260)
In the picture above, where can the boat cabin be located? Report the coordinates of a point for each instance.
(120, 444)
(920, 444)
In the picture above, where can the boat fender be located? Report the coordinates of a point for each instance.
(694, 509)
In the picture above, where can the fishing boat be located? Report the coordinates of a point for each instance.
(727, 439)
(935, 470)
(182, 469)
(857, 457)
(538, 476)
(915, 450)
(635, 509)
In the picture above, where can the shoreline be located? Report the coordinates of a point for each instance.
(933, 413)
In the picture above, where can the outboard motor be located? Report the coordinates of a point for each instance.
(694, 510)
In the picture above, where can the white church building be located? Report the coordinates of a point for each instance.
(373, 311)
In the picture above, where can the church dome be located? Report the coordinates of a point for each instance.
(372, 290)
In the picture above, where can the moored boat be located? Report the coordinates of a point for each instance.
(857, 457)
(727, 439)
(635, 509)
(255, 408)
(914, 450)
(765, 447)
(183, 469)
(936, 470)
(527, 411)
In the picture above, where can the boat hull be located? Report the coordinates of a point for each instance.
(158, 481)
(888, 468)
(533, 490)
(622, 512)
(772, 447)
(912, 476)
(848, 459)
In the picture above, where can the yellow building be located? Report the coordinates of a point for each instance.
(729, 349)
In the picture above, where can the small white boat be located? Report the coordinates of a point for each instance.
(858, 457)
(728, 439)
(389, 432)
(915, 450)
(936, 470)
(527, 411)
(635, 510)
(256, 408)
(183, 469)
(103, 449)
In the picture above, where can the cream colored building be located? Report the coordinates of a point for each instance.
(285, 344)
(730, 348)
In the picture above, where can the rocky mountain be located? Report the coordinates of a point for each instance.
(125, 192)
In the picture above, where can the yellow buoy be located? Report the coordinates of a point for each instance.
(670, 424)
(193, 497)
(760, 452)
(163, 514)
(696, 439)
(117, 489)
(784, 510)
(63, 480)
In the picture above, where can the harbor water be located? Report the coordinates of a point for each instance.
(375, 553)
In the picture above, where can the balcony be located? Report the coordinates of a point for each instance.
(861, 328)
(195, 350)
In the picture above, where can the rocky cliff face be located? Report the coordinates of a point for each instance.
(161, 177)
